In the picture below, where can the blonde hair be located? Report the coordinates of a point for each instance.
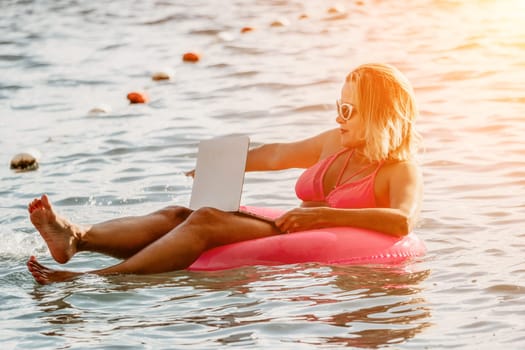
(385, 100)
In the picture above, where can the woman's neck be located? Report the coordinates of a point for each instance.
(358, 157)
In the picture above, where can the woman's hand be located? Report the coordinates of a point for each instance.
(300, 219)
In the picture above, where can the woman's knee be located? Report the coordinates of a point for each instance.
(205, 217)
(175, 214)
(204, 224)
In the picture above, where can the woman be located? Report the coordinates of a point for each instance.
(361, 174)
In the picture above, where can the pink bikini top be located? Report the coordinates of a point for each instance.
(354, 194)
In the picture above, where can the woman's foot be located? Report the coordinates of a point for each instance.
(60, 235)
(44, 275)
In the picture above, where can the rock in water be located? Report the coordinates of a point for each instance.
(24, 161)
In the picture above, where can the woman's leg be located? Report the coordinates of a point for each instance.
(120, 238)
(204, 229)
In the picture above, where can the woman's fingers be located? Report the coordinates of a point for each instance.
(288, 222)
(298, 219)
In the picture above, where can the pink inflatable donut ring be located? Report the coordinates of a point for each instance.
(330, 246)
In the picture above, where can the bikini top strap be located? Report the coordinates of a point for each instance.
(343, 168)
(357, 172)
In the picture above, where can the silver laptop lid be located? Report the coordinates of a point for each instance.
(219, 173)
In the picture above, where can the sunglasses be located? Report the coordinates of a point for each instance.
(344, 110)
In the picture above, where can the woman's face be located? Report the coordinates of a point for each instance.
(350, 122)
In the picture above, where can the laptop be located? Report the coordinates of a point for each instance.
(219, 175)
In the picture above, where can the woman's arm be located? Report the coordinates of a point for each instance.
(405, 196)
(299, 154)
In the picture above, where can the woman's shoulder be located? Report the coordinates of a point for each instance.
(397, 164)
(331, 140)
(400, 169)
